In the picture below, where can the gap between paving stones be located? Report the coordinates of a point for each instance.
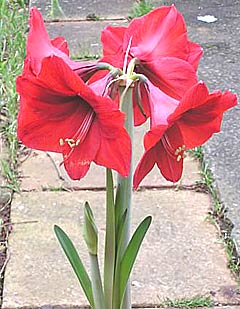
(110, 19)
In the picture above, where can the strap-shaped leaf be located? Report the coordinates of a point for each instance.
(119, 237)
(130, 254)
(76, 263)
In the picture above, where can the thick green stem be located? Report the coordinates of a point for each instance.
(98, 296)
(110, 242)
(124, 196)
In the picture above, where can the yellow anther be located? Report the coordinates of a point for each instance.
(71, 142)
(180, 149)
(61, 142)
(176, 152)
(179, 157)
(84, 162)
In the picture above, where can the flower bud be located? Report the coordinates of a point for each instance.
(90, 232)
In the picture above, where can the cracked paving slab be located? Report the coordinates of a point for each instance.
(181, 255)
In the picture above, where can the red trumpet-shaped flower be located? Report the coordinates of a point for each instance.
(191, 123)
(161, 47)
(59, 112)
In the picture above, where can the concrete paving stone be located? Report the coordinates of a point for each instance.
(83, 37)
(84, 9)
(181, 255)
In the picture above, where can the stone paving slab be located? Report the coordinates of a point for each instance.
(181, 256)
(83, 9)
(55, 176)
(83, 37)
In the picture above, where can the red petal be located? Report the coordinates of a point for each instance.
(38, 120)
(161, 32)
(115, 152)
(61, 44)
(153, 136)
(173, 76)
(161, 105)
(112, 40)
(77, 161)
(200, 123)
(199, 114)
(39, 44)
(140, 97)
(170, 166)
(194, 54)
(144, 167)
(164, 154)
(192, 98)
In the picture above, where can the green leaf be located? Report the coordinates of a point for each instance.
(119, 239)
(130, 254)
(76, 262)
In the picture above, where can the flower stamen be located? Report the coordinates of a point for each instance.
(79, 136)
(174, 153)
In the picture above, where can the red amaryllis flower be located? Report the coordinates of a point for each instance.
(59, 112)
(197, 116)
(159, 42)
(40, 46)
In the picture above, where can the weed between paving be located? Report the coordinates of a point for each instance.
(13, 26)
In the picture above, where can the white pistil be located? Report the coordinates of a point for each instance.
(126, 56)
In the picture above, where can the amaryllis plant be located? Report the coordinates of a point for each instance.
(87, 111)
